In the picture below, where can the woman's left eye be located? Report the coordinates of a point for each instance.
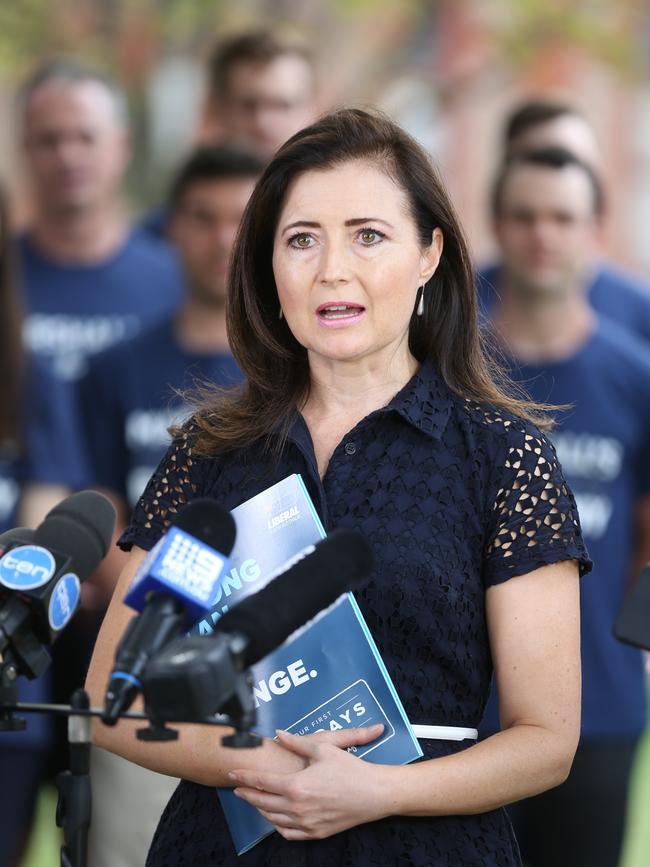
(369, 237)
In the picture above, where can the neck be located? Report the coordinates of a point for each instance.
(83, 236)
(351, 390)
(536, 328)
(201, 329)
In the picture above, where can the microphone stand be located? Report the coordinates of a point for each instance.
(74, 807)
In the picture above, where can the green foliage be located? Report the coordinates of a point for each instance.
(31, 30)
(598, 28)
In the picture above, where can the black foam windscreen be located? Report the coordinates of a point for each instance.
(17, 535)
(297, 595)
(80, 526)
(209, 522)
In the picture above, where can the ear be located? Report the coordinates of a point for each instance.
(600, 232)
(430, 257)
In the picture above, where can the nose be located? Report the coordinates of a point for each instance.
(335, 264)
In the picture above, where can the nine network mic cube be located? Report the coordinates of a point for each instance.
(182, 566)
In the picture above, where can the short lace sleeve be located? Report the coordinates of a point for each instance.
(180, 477)
(533, 518)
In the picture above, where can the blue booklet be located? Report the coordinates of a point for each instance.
(327, 677)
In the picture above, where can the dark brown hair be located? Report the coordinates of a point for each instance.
(12, 357)
(275, 364)
(553, 158)
(212, 162)
(256, 46)
(534, 112)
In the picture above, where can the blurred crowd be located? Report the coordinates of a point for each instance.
(123, 321)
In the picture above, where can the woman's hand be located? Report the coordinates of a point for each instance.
(334, 791)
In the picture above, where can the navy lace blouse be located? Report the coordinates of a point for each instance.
(454, 497)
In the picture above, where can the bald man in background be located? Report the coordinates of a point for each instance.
(89, 280)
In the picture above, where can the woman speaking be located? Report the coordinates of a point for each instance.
(352, 312)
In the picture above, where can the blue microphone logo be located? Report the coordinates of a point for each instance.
(26, 567)
(64, 601)
(190, 566)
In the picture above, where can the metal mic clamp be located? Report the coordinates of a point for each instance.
(242, 708)
(156, 731)
(8, 698)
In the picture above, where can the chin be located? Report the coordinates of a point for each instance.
(342, 353)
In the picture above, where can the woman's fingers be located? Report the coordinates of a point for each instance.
(307, 745)
(264, 782)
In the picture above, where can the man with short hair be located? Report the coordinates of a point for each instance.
(261, 90)
(546, 212)
(541, 123)
(88, 280)
(130, 396)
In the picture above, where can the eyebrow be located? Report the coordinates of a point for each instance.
(357, 221)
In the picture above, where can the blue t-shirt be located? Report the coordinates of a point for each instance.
(129, 400)
(603, 443)
(614, 293)
(75, 311)
(49, 452)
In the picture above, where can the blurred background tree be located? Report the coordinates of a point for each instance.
(447, 69)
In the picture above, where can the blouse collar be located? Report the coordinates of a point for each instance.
(424, 402)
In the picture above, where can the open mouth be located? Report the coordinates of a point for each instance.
(339, 311)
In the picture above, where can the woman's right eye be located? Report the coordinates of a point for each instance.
(302, 241)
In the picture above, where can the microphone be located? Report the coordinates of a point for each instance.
(174, 587)
(198, 676)
(16, 536)
(298, 591)
(41, 572)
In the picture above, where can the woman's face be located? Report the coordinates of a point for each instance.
(348, 263)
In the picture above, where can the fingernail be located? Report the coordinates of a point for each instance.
(232, 775)
(236, 793)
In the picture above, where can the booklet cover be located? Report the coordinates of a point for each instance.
(329, 676)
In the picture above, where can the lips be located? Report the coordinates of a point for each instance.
(339, 310)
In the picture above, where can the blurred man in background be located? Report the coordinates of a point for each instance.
(548, 123)
(131, 395)
(261, 90)
(40, 463)
(88, 280)
(542, 123)
(547, 207)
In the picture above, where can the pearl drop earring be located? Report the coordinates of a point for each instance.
(420, 310)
